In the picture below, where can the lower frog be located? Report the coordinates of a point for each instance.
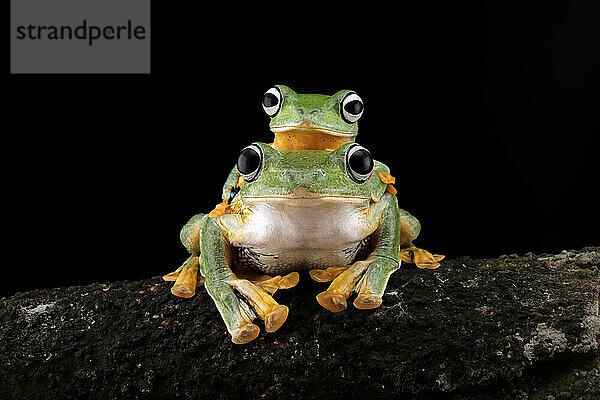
(333, 213)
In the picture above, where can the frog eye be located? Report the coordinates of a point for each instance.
(359, 163)
(249, 163)
(351, 108)
(271, 101)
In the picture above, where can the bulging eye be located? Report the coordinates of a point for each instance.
(351, 108)
(272, 101)
(359, 163)
(250, 162)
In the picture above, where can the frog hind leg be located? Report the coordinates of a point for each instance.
(238, 300)
(409, 230)
(410, 227)
(186, 277)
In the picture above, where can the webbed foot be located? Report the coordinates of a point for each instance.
(262, 303)
(421, 258)
(368, 277)
(240, 301)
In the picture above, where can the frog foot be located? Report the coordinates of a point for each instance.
(262, 303)
(186, 278)
(367, 277)
(239, 302)
(421, 258)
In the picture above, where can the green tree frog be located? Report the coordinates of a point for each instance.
(312, 121)
(331, 213)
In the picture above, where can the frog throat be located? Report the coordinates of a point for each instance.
(296, 138)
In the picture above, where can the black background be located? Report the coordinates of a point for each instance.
(487, 114)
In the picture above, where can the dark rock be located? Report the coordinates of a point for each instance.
(513, 327)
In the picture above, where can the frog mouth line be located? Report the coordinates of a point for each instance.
(298, 127)
(306, 198)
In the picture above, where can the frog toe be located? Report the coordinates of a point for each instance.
(326, 275)
(172, 276)
(245, 333)
(183, 291)
(367, 301)
(275, 319)
(289, 281)
(186, 278)
(271, 285)
(428, 265)
(332, 301)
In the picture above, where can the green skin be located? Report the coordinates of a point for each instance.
(306, 182)
(321, 112)
(318, 112)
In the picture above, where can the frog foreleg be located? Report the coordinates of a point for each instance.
(190, 234)
(409, 230)
(222, 285)
(374, 281)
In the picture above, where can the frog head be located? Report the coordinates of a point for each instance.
(348, 173)
(312, 121)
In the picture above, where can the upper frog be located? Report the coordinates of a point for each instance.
(312, 121)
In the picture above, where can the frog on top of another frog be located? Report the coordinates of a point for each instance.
(312, 200)
(307, 122)
(312, 121)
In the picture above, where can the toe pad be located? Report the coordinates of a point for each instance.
(276, 318)
(245, 333)
(333, 302)
(367, 302)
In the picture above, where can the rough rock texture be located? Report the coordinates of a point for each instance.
(512, 327)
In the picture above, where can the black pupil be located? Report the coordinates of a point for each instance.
(270, 100)
(249, 161)
(361, 162)
(354, 107)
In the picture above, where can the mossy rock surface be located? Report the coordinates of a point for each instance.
(513, 327)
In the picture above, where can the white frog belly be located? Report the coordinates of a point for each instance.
(294, 234)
